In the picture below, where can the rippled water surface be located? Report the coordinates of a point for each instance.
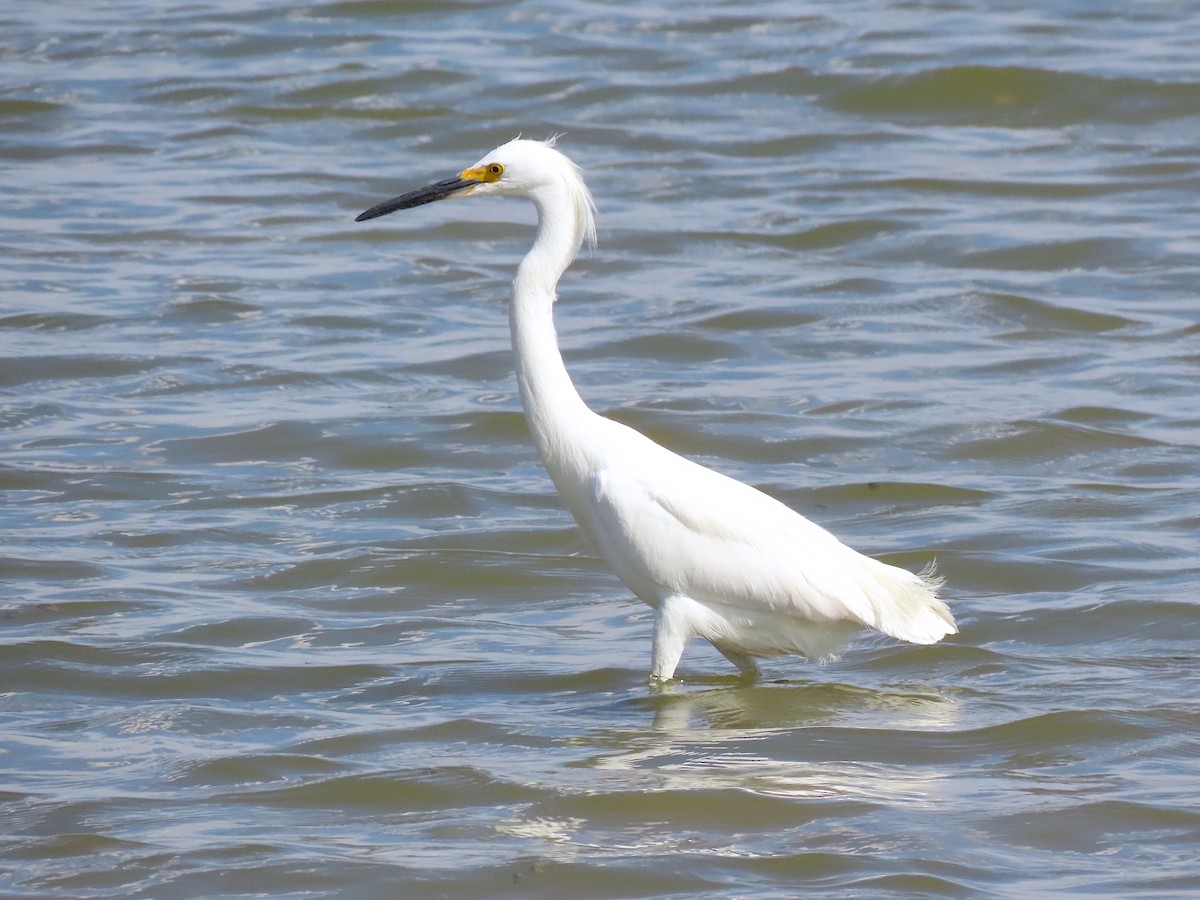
(291, 608)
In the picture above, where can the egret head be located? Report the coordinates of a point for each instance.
(520, 168)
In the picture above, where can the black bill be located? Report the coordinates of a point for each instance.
(439, 191)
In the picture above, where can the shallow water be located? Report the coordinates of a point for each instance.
(291, 608)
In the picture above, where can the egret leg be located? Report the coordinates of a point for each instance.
(746, 664)
(673, 628)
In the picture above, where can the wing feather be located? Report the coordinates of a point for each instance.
(696, 532)
(670, 526)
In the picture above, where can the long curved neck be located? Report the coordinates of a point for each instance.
(549, 398)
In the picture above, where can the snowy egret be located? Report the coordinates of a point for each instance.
(714, 558)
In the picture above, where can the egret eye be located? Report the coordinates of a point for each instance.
(495, 169)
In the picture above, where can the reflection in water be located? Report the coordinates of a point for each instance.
(822, 743)
(798, 705)
(699, 740)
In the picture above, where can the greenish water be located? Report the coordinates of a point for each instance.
(290, 608)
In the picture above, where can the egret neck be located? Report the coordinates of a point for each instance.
(555, 412)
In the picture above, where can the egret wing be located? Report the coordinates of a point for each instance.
(675, 525)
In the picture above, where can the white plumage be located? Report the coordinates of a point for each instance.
(713, 557)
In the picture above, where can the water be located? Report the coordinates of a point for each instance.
(292, 610)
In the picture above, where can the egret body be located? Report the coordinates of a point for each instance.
(714, 558)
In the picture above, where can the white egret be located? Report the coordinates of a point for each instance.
(714, 558)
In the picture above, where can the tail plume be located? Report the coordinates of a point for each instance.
(912, 610)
